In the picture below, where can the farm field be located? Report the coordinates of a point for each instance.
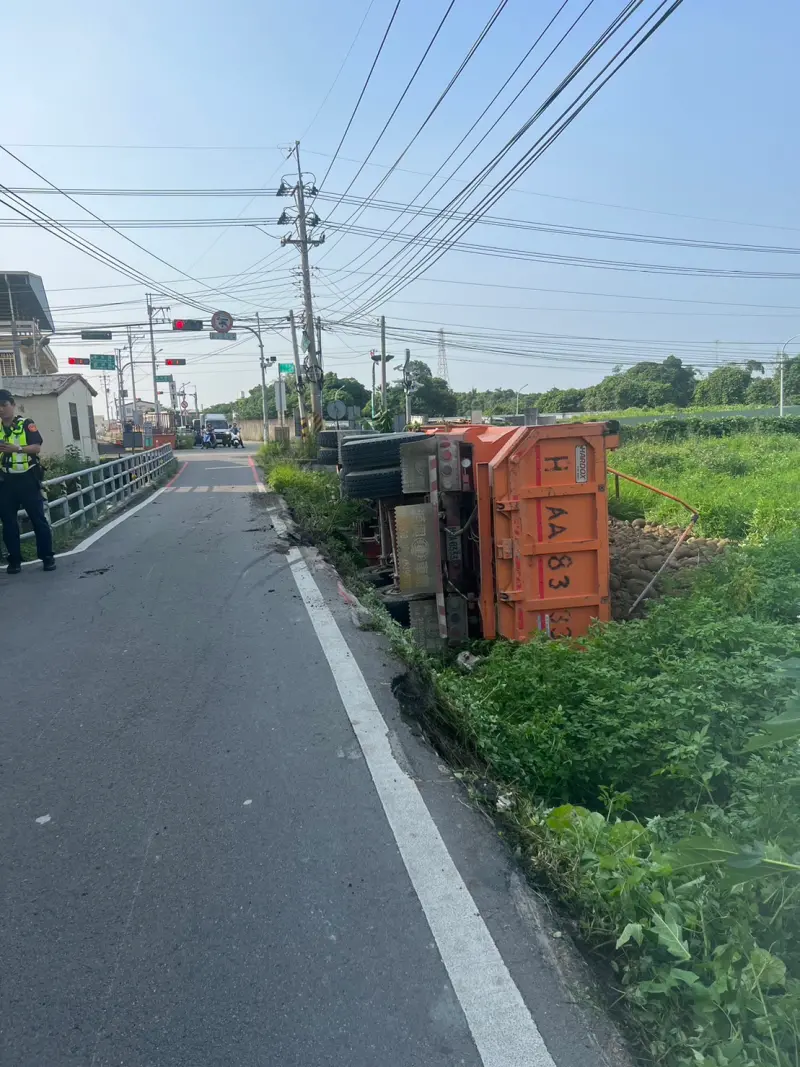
(745, 486)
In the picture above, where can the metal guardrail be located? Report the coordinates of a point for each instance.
(89, 494)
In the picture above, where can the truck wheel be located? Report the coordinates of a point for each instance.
(373, 484)
(328, 438)
(328, 456)
(375, 453)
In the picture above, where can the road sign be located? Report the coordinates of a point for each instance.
(102, 362)
(286, 368)
(221, 322)
(222, 336)
(164, 378)
(184, 405)
(337, 409)
(96, 335)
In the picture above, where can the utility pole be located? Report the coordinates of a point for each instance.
(105, 392)
(264, 418)
(319, 344)
(301, 406)
(120, 388)
(384, 360)
(150, 312)
(133, 376)
(303, 221)
(407, 386)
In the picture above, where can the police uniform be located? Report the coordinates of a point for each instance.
(20, 489)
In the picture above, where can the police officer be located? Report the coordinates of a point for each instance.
(20, 485)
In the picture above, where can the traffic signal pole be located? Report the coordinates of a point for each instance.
(153, 359)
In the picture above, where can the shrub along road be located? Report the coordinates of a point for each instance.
(202, 864)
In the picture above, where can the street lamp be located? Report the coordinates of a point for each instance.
(256, 332)
(783, 362)
(518, 394)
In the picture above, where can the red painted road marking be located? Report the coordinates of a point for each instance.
(261, 487)
(177, 476)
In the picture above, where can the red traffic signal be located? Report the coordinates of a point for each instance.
(187, 324)
(73, 361)
(175, 362)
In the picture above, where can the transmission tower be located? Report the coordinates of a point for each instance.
(441, 367)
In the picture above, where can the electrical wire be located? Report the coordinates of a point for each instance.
(629, 48)
(363, 90)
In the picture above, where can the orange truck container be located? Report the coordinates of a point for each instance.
(517, 529)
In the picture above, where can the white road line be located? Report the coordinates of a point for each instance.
(109, 526)
(498, 1018)
(183, 489)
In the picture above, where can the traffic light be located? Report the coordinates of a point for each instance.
(73, 361)
(187, 324)
(175, 362)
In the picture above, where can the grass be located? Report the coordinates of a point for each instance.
(745, 486)
(641, 772)
(610, 752)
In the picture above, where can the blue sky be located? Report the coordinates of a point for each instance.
(700, 123)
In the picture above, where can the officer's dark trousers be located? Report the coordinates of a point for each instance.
(23, 492)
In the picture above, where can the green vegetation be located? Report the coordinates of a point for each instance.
(315, 501)
(745, 486)
(610, 753)
(649, 773)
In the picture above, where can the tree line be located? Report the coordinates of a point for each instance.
(644, 385)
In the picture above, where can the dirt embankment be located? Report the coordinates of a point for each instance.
(637, 552)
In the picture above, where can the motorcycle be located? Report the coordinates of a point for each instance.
(236, 440)
(209, 440)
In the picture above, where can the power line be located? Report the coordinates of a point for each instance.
(341, 68)
(567, 116)
(363, 90)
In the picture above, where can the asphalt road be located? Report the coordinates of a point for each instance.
(200, 866)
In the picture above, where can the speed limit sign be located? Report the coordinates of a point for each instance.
(221, 322)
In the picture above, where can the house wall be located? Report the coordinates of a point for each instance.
(52, 418)
(44, 412)
(77, 394)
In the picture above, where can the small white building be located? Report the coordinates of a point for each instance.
(61, 407)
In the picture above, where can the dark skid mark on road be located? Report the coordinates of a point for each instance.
(95, 570)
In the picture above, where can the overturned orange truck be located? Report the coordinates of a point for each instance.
(499, 531)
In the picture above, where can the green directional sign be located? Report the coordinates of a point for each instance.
(164, 378)
(102, 362)
(286, 368)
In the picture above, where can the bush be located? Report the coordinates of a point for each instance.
(612, 751)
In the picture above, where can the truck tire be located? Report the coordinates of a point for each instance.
(375, 453)
(328, 438)
(329, 457)
(373, 484)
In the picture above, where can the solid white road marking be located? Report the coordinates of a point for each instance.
(502, 1027)
(109, 526)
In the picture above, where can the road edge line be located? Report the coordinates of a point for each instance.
(501, 1024)
(107, 528)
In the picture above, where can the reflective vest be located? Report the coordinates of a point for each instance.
(16, 462)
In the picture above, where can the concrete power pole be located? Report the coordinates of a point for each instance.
(383, 362)
(301, 404)
(150, 312)
(303, 221)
